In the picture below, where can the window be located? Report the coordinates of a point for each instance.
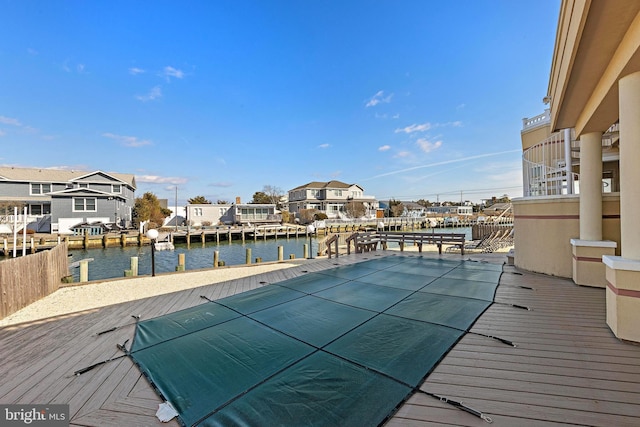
(40, 188)
(116, 188)
(83, 185)
(197, 211)
(337, 193)
(84, 204)
(40, 209)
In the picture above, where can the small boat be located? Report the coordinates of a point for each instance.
(164, 246)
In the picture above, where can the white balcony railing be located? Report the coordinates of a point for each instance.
(540, 119)
(544, 168)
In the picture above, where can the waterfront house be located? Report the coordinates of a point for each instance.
(56, 200)
(237, 213)
(578, 216)
(330, 198)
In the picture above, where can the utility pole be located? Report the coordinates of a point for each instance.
(175, 214)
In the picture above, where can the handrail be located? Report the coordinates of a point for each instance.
(544, 168)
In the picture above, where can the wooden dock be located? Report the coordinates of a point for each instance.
(567, 368)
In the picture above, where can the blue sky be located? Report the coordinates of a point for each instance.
(409, 99)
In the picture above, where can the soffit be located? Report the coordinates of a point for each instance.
(589, 34)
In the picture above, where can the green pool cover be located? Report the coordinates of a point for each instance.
(342, 347)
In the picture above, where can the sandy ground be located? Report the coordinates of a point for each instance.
(103, 293)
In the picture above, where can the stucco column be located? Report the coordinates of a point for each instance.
(629, 92)
(591, 186)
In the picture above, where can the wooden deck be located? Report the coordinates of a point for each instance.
(568, 368)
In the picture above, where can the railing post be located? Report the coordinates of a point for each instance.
(567, 160)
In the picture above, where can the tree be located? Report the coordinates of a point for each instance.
(308, 215)
(260, 197)
(199, 200)
(270, 195)
(396, 208)
(425, 203)
(355, 209)
(222, 202)
(147, 208)
(6, 208)
(274, 194)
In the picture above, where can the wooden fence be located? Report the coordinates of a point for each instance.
(27, 279)
(480, 231)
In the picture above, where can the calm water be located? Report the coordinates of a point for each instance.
(112, 262)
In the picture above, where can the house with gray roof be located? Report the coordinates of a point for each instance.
(56, 200)
(330, 198)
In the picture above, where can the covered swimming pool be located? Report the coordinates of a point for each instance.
(344, 346)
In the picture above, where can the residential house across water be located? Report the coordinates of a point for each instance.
(232, 214)
(57, 200)
(330, 198)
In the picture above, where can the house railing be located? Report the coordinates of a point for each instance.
(544, 168)
(538, 120)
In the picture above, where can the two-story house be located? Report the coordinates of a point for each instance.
(56, 200)
(330, 198)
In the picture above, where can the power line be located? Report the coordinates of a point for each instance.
(452, 192)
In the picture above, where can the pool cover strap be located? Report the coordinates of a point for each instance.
(345, 346)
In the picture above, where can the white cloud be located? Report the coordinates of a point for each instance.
(154, 93)
(324, 146)
(135, 71)
(172, 72)
(32, 51)
(128, 141)
(414, 128)
(379, 98)
(70, 68)
(155, 179)
(426, 126)
(384, 148)
(428, 146)
(2, 133)
(10, 121)
(403, 154)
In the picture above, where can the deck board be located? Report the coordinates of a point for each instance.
(567, 368)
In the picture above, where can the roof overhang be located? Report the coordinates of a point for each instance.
(597, 43)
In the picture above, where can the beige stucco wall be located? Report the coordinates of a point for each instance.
(544, 226)
(535, 136)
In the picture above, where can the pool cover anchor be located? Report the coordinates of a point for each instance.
(122, 347)
(459, 405)
(521, 307)
(115, 328)
(502, 340)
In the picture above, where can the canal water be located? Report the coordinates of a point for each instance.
(111, 263)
